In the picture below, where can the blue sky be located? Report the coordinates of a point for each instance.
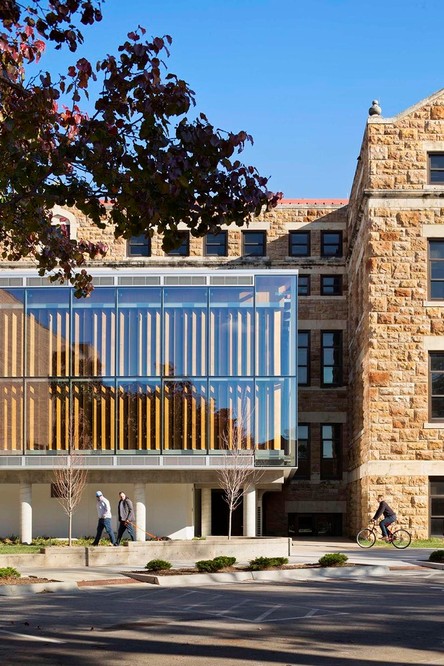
(297, 75)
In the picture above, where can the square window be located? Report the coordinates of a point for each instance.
(299, 244)
(303, 285)
(183, 249)
(254, 243)
(331, 244)
(216, 245)
(331, 285)
(436, 168)
(139, 246)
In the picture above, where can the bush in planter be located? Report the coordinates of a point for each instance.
(216, 564)
(158, 565)
(437, 556)
(9, 572)
(333, 560)
(260, 563)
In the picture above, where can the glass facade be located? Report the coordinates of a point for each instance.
(150, 369)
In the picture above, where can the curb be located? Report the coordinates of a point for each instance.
(193, 580)
(431, 565)
(35, 588)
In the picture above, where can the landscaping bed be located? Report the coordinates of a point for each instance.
(29, 580)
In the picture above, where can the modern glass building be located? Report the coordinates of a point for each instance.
(153, 370)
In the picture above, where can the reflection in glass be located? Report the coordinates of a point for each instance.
(231, 410)
(139, 416)
(11, 416)
(47, 328)
(231, 331)
(93, 411)
(94, 334)
(139, 328)
(185, 334)
(47, 415)
(276, 415)
(11, 332)
(185, 415)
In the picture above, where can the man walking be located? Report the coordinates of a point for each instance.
(126, 516)
(104, 513)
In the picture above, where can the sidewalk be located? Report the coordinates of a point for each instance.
(303, 552)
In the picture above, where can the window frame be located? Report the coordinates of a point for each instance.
(432, 395)
(245, 244)
(431, 169)
(293, 234)
(307, 366)
(308, 278)
(182, 250)
(224, 246)
(324, 245)
(332, 471)
(431, 261)
(131, 243)
(337, 348)
(336, 289)
(304, 472)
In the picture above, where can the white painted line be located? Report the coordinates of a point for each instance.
(32, 638)
(232, 608)
(259, 618)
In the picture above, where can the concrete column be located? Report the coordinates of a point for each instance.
(140, 507)
(25, 512)
(250, 511)
(206, 512)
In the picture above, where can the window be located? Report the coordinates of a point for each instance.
(304, 358)
(303, 470)
(299, 244)
(437, 506)
(331, 370)
(436, 168)
(331, 244)
(303, 285)
(139, 246)
(216, 244)
(436, 365)
(331, 451)
(254, 243)
(331, 285)
(183, 249)
(436, 269)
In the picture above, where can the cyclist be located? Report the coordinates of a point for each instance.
(389, 516)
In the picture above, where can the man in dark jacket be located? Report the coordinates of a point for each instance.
(126, 517)
(389, 516)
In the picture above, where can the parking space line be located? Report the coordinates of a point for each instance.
(259, 618)
(32, 638)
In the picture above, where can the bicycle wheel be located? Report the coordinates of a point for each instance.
(401, 539)
(365, 538)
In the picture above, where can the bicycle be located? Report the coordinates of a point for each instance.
(367, 537)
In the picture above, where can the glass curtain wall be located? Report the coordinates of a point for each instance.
(150, 369)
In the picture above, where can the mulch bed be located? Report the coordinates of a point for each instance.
(192, 570)
(26, 581)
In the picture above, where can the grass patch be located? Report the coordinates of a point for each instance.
(435, 542)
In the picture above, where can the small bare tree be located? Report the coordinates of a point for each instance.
(238, 471)
(69, 484)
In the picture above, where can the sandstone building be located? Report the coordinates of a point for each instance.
(145, 376)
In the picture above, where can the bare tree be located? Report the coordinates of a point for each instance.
(238, 471)
(69, 484)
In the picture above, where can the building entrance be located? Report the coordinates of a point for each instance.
(219, 516)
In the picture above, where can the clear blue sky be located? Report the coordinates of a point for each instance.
(299, 75)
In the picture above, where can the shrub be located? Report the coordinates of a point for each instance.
(9, 572)
(158, 565)
(216, 564)
(437, 556)
(333, 560)
(260, 563)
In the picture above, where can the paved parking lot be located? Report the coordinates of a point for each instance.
(396, 619)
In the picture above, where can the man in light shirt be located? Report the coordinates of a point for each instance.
(104, 513)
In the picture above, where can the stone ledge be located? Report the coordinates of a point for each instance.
(36, 588)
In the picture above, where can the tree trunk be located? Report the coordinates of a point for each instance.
(69, 529)
(230, 514)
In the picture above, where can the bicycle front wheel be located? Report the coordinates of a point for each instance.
(365, 538)
(401, 539)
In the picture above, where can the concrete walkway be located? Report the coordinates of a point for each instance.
(303, 552)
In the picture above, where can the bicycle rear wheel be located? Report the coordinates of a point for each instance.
(366, 538)
(401, 539)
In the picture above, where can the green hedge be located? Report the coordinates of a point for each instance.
(9, 572)
(333, 560)
(260, 563)
(158, 565)
(216, 564)
(437, 556)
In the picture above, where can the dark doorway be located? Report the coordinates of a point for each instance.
(314, 524)
(219, 516)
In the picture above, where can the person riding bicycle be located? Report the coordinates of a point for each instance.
(389, 516)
